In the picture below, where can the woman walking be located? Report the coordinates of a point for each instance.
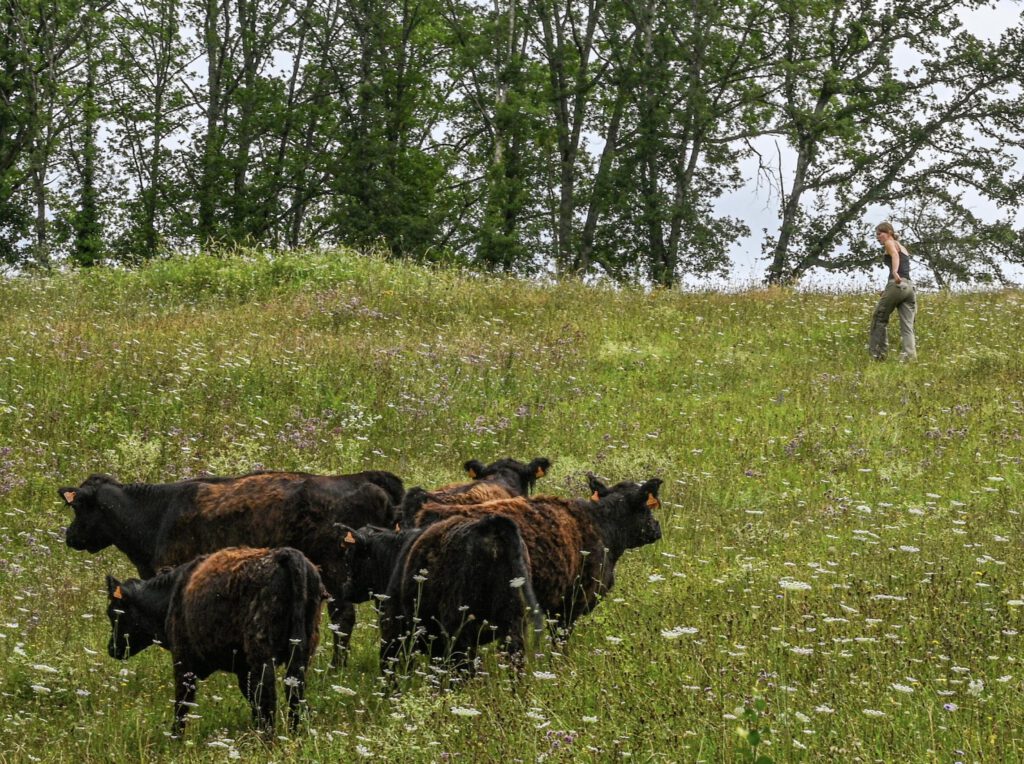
(898, 295)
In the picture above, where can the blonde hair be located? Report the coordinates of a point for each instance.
(887, 228)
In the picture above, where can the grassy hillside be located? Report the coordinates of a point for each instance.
(842, 552)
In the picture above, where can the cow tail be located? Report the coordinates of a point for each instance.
(307, 593)
(534, 612)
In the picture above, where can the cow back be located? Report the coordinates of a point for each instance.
(558, 538)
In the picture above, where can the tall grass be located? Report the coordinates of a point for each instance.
(839, 577)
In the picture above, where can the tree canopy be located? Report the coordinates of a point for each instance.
(571, 137)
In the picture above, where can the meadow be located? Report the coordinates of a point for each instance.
(839, 577)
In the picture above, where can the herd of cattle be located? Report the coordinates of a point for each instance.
(234, 570)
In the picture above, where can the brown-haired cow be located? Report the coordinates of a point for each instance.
(573, 545)
(504, 479)
(158, 525)
(240, 610)
(446, 589)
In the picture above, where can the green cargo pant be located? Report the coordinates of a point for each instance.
(900, 297)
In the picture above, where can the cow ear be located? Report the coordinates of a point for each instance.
(540, 466)
(473, 468)
(595, 497)
(114, 588)
(350, 538)
(68, 494)
(650, 489)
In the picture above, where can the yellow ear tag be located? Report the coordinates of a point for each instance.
(397, 527)
(595, 497)
(652, 501)
(69, 496)
(349, 538)
(541, 472)
(117, 595)
(472, 473)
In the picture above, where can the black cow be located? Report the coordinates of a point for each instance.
(158, 525)
(573, 544)
(240, 610)
(446, 589)
(503, 479)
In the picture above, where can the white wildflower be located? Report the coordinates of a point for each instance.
(902, 688)
(975, 687)
(518, 582)
(678, 631)
(802, 650)
(465, 711)
(873, 712)
(543, 675)
(792, 585)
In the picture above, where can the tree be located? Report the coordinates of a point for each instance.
(146, 100)
(951, 243)
(688, 82)
(865, 132)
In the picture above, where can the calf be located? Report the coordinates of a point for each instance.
(573, 545)
(449, 588)
(503, 479)
(171, 523)
(240, 610)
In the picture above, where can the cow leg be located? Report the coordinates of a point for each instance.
(390, 650)
(184, 697)
(343, 620)
(295, 691)
(516, 648)
(463, 661)
(257, 684)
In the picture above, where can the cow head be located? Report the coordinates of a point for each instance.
(131, 630)
(413, 501)
(517, 476)
(630, 511)
(370, 554)
(89, 530)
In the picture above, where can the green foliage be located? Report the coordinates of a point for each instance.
(840, 537)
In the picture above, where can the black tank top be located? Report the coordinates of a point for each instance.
(904, 269)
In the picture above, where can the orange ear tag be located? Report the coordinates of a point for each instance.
(117, 595)
(595, 497)
(349, 538)
(69, 496)
(652, 501)
(397, 527)
(541, 472)
(472, 473)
